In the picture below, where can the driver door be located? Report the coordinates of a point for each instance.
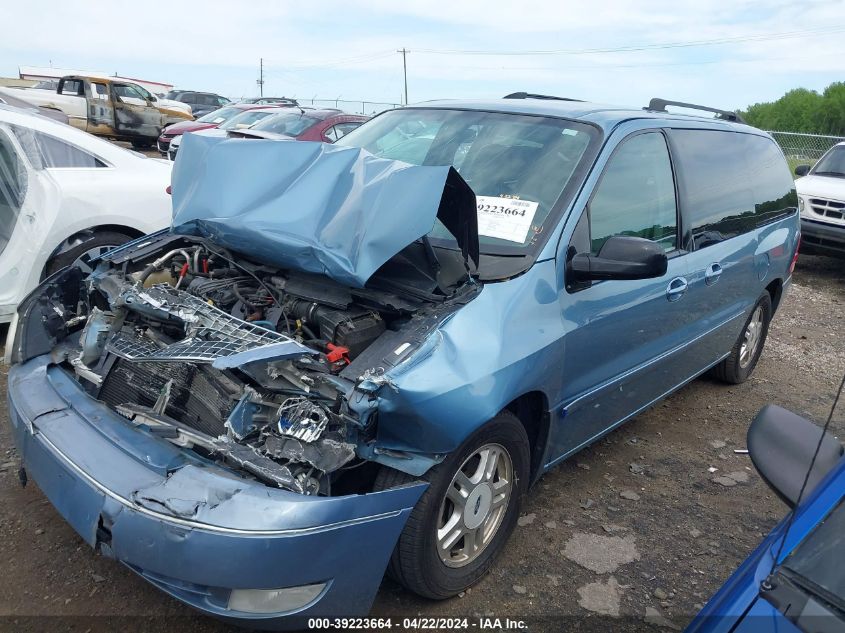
(134, 114)
(623, 335)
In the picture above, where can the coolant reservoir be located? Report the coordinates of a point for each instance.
(159, 277)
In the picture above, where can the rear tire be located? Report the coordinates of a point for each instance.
(83, 252)
(740, 364)
(142, 143)
(419, 562)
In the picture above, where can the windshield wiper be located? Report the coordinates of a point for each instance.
(804, 606)
(835, 174)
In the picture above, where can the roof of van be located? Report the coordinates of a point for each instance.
(602, 115)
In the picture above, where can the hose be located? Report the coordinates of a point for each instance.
(157, 263)
(236, 291)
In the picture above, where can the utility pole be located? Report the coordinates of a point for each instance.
(260, 80)
(405, 71)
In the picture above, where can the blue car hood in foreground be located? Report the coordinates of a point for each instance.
(339, 211)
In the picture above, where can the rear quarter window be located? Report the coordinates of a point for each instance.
(48, 152)
(730, 183)
(13, 182)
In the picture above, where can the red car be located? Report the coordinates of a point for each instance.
(208, 121)
(326, 126)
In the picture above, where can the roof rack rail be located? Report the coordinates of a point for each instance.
(531, 95)
(659, 105)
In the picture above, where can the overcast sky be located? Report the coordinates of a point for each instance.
(348, 49)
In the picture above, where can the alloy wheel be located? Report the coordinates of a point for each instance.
(475, 503)
(752, 337)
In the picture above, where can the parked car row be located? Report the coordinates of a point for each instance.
(115, 109)
(355, 358)
(275, 121)
(124, 110)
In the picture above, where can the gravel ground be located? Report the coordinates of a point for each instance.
(635, 526)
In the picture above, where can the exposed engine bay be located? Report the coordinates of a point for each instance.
(251, 367)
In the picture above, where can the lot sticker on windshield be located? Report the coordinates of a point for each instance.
(505, 218)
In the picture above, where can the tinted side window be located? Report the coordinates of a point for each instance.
(636, 194)
(12, 188)
(56, 153)
(45, 151)
(731, 183)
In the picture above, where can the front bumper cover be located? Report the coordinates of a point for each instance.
(190, 527)
(822, 238)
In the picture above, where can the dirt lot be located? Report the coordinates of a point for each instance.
(634, 525)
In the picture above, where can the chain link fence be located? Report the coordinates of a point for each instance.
(804, 149)
(369, 108)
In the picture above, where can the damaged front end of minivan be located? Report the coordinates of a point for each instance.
(259, 332)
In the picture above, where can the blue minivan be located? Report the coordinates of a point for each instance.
(347, 359)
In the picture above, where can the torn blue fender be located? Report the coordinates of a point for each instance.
(339, 211)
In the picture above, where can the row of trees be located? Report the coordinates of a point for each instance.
(802, 110)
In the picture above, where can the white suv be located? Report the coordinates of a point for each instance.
(821, 199)
(67, 196)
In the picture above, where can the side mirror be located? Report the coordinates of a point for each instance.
(781, 445)
(802, 170)
(621, 257)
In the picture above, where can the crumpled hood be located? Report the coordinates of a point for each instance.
(319, 208)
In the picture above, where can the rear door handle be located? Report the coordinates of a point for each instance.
(712, 273)
(677, 288)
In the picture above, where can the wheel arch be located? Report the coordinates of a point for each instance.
(775, 290)
(81, 235)
(532, 410)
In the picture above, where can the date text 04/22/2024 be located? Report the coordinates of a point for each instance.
(418, 623)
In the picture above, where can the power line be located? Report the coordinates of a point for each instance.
(375, 55)
(643, 47)
(622, 66)
(340, 62)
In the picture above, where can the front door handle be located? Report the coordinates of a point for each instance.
(677, 288)
(712, 274)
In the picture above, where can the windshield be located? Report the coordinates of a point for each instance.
(221, 115)
(289, 123)
(244, 119)
(517, 165)
(818, 558)
(832, 163)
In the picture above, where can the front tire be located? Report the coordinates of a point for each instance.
(740, 364)
(464, 518)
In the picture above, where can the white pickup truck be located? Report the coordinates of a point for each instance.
(821, 200)
(105, 107)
